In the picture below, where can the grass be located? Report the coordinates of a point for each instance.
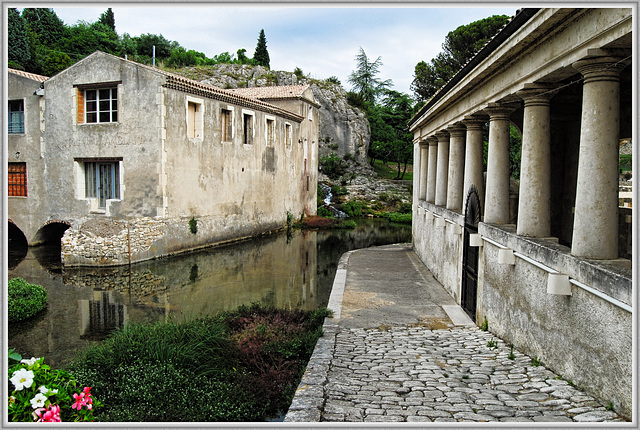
(389, 171)
(243, 365)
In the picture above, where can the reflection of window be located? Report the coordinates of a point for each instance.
(16, 116)
(102, 181)
(226, 124)
(247, 128)
(194, 118)
(101, 105)
(17, 175)
(271, 132)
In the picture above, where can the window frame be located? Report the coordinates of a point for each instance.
(90, 182)
(197, 118)
(21, 115)
(270, 130)
(288, 135)
(83, 111)
(248, 140)
(227, 127)
(17, 179)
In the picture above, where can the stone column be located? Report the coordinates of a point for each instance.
(595, 227)
(474, 153)
(534, 206)
(424, 160)
(431, 169)
(443, 168)
(497, 195)
(456, 167)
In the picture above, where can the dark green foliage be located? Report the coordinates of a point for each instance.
(333, 80)
(55, 62)
(298, 72)
(46, 24)
(356, 100)
(146, 42)
(459, 47)
(364, 79)
(242, 365)
(108, 19)
(626, 163)
(17, 41)
(397, 217)
(180, 57)
(339, 190)
(24, 300)
(324, 212)
(261, 54)
(333, 166)
(193, 225)
(355, 209)
(515, 150)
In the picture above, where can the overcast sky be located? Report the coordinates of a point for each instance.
(322, 40)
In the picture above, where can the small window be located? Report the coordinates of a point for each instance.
(16, 116)
(226, 124)
(247, 128)
(102, 181)
(194, 119)
(287, 135)
(101, 105)
(17, 175)
(310, 113)
(271, 132)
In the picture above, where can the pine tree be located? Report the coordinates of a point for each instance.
(107, 18)
(17, 41)
(262, 55)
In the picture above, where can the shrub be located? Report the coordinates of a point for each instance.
(354, 208)
(339, 190)
(24, 299)
(397, 217)
(333, 166)
(324, 212)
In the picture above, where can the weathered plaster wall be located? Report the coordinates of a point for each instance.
(135, 139)
(582, 337)
(27, 213)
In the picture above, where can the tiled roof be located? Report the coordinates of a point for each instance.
(31, 76)
(274, 92)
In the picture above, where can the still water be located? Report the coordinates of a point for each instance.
(292, 270)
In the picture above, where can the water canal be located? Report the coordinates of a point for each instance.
(288, 270)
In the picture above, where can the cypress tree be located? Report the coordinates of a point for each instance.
(262, 55)
(107, 18)
(17, 42)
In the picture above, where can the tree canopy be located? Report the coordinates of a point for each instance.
(261, 54)
(459, 47)
(364, 79)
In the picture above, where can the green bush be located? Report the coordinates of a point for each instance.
(354, 209)
(333, 166)
(324, 212)
(398, 217)
(625, 163)
(24, 299)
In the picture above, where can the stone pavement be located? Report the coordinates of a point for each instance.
(400, 350)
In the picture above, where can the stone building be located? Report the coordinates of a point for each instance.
(545, 270)
(137, 163)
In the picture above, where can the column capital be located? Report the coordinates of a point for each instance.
(474, 122)
(423, 142)
(442, 135)
(537, 94)
(457, 130)
(432, 141)
(497, 111)
(600, 67)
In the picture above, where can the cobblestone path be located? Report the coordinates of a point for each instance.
(410, 374)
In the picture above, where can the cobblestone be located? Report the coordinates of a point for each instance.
(484, 387)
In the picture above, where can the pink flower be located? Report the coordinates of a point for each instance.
(80, 401)
(50, 415)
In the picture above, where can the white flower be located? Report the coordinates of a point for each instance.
(22, 378)
(30, 362)
(38, 401)
(45, 390)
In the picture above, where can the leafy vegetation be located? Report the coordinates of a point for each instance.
(39, 42)
(333, 166)
(626, 163)
(242, 365)
(24, 300)
(459, 47)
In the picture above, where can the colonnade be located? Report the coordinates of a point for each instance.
(451, 160)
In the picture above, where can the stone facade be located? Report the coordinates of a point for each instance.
(135, 146)
(545, 270)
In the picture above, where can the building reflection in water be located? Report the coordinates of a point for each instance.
(100, 315)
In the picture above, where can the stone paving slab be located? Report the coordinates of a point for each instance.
(416, 365)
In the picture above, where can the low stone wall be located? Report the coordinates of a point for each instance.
(110, 242)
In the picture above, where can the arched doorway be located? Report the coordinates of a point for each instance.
(470, 254)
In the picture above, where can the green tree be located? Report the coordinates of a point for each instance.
(459, 47)
(261, 54)
(364, 79)
(107, 18)
(146, 42)
(17, 41)
(55, 62)
(46, 24)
